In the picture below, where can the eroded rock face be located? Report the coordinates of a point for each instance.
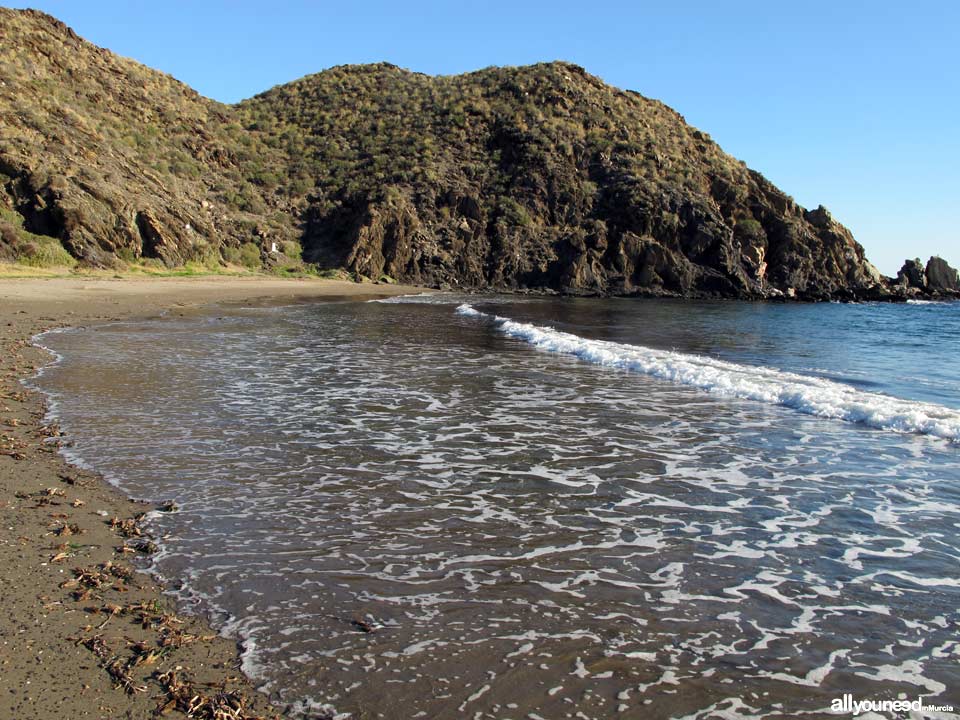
(618, 246)
(118, 161)
(936, 278)
(545, 178)
(913, 274)
(941, 277)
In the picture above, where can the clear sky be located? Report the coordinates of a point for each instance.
(852, 104)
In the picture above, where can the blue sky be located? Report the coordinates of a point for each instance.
(855, 105)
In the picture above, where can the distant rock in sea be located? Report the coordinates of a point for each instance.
(941, 277)
(937, 277)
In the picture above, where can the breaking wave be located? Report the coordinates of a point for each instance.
(405, 510)
(809, 395)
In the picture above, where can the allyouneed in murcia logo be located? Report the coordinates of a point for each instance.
(847, 705)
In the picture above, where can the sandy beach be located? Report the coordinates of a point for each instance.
(81, 634)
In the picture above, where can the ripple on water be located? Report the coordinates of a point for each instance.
(394, 506)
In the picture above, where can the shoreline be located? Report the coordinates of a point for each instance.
(83, 634)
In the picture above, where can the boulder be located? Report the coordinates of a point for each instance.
(941, 277)
(913, 274)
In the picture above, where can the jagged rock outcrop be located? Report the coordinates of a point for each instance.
(913, 274)
(941, 277)
(936, 278)
(532, 178)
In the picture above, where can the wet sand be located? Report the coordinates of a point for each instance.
(81, 636)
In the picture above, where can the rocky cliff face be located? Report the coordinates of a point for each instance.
(542, 177)
(117, 161)
(538, 178)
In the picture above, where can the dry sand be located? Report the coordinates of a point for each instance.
(80, 636)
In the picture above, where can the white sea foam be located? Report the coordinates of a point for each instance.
(424, 298)
(515, 524)
(810, 395)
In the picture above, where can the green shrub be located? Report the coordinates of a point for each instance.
(127, 254)
(184, 169)
(334, 274)
(291, 249)
(154, 264)
(206, 255)
(47, 252)
(232, 255)
(750, 228)
(514, 213)
(250, 255)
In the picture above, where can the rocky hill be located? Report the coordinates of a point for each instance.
(540, 178)
(117, 161)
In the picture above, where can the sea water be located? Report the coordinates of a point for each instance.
(454, 506)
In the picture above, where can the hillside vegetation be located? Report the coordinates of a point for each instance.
(539, 177)
(121, 162)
